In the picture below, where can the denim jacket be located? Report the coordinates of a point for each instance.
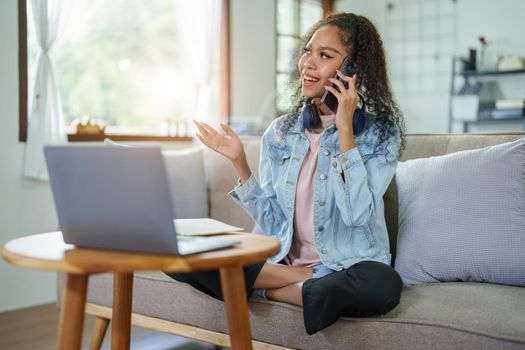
(349, 222)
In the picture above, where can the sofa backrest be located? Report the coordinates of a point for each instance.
(221, 177)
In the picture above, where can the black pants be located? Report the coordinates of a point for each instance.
(209, 282)
(364, 289)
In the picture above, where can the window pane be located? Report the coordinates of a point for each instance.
(311, 12)
(121, 61)
(287, 17)
(290, 14)
(285, 92)
(287, 49)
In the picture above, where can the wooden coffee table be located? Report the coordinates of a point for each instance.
(47, 251)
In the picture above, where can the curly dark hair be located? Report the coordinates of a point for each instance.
(365, 49)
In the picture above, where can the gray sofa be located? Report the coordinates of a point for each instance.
(452, 315)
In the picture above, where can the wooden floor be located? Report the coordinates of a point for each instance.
(36, 328)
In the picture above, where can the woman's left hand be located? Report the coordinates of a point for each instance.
(347, 100)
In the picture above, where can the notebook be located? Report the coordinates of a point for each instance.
(203, 227)
(118, 198)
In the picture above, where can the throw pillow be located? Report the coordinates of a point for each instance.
(462, 216)
(185, 171)
(187, 182)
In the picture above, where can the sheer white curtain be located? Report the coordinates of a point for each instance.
(198, 29)
(46, 122)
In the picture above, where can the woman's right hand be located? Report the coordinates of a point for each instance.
(229, 146)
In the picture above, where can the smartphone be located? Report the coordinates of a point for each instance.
(348, 69)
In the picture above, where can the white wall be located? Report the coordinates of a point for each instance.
(252, 54)
(499, 21)
(26, 207)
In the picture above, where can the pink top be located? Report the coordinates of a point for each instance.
(302, 251)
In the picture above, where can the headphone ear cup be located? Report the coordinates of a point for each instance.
(310, 113)
(306, 116)
(358, 121)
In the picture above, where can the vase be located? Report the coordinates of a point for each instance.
(487, 60)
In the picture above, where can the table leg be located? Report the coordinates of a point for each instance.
(72, 312)
(236, 305)
(121, 319)
(98, 333)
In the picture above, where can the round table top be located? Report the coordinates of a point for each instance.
(47, 251)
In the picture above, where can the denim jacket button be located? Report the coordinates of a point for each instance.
(322, 176)
(326, 152)
(321, 228)
(324, 251)
(334, 164)
(322, 203)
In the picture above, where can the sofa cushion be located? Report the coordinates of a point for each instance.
(428, 145)
(430, 316)
(462, 216)
(187, 181)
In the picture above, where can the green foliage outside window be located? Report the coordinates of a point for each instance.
(119, 61)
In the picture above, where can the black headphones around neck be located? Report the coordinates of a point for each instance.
(312, 119)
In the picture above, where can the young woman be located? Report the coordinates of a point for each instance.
(322, 179)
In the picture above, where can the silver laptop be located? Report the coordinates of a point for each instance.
(118, 198)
